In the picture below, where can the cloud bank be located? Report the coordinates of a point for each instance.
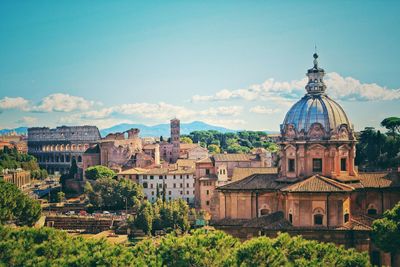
(339, 87)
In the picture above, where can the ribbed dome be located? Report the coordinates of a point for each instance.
(316, 108)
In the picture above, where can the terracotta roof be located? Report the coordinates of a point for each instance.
(186, 162)
(347, 178)
(231, 157)
(258, 182)
(240, 173)
(380, 179)
(185, 146)
(359, 222)
(205, 160)
(133, 171)
(158, 171)
(317, 183)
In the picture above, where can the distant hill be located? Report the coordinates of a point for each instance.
(163, 129)
(19, 130)
(155, 130)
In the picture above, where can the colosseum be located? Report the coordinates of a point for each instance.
(55, 149)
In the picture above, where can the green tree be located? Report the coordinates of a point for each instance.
(108, 193)
(386, 231)
(98, 172)
(392, 124)
(214, 149)
(17, 207)
(186, 140)
(144, 218)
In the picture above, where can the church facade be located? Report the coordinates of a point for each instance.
(317, 191)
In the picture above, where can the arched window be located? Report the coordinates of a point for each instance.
(372, 210)
(290, 217)
(79, 159)
(318, 217)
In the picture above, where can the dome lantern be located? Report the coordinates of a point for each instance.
(315, 75)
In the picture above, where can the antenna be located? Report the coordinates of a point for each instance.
(315, 48)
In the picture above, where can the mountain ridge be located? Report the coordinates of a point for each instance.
(162, 129)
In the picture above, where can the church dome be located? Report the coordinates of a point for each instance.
(315, 110)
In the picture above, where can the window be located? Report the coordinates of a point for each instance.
(159, 185)
(346, 218)
(151, 185)
(181, 176)
(318, 219)
(317, 165)
(187, 185)
(160, 177)
(151, 177)
(144, 177)
(152, 193)
(208, 203)
(291, 164)
(181, 192)
(174, 185)
(372, 211)
(144, 185)
(207, 192)
(290, 218)
(187, 176)
(174, 176)
(180, 185)
(169, 192)
(264, 212)
(343, 164)
(207, 171)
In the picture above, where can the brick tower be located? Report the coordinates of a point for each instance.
(175, 139)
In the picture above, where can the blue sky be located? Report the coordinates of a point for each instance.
(239, 64)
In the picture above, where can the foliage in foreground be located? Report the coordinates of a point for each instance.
(386, 231)
(17, 207)
(49, 247)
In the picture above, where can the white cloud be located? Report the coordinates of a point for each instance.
(342, 88)
(62, 103)
(160, 111)
(27, 121)
(14, 103)
(264, 110)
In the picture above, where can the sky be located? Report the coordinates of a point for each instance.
(237, 64)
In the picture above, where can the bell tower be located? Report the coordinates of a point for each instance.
(175, 139)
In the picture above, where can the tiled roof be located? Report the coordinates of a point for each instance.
(317, 183)
(185, 146)
(232, 157)
(240, 173)
(358, 222)
(205, 160)
(380, 179)
(186, 163)
(260, 182)
(158, 171)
